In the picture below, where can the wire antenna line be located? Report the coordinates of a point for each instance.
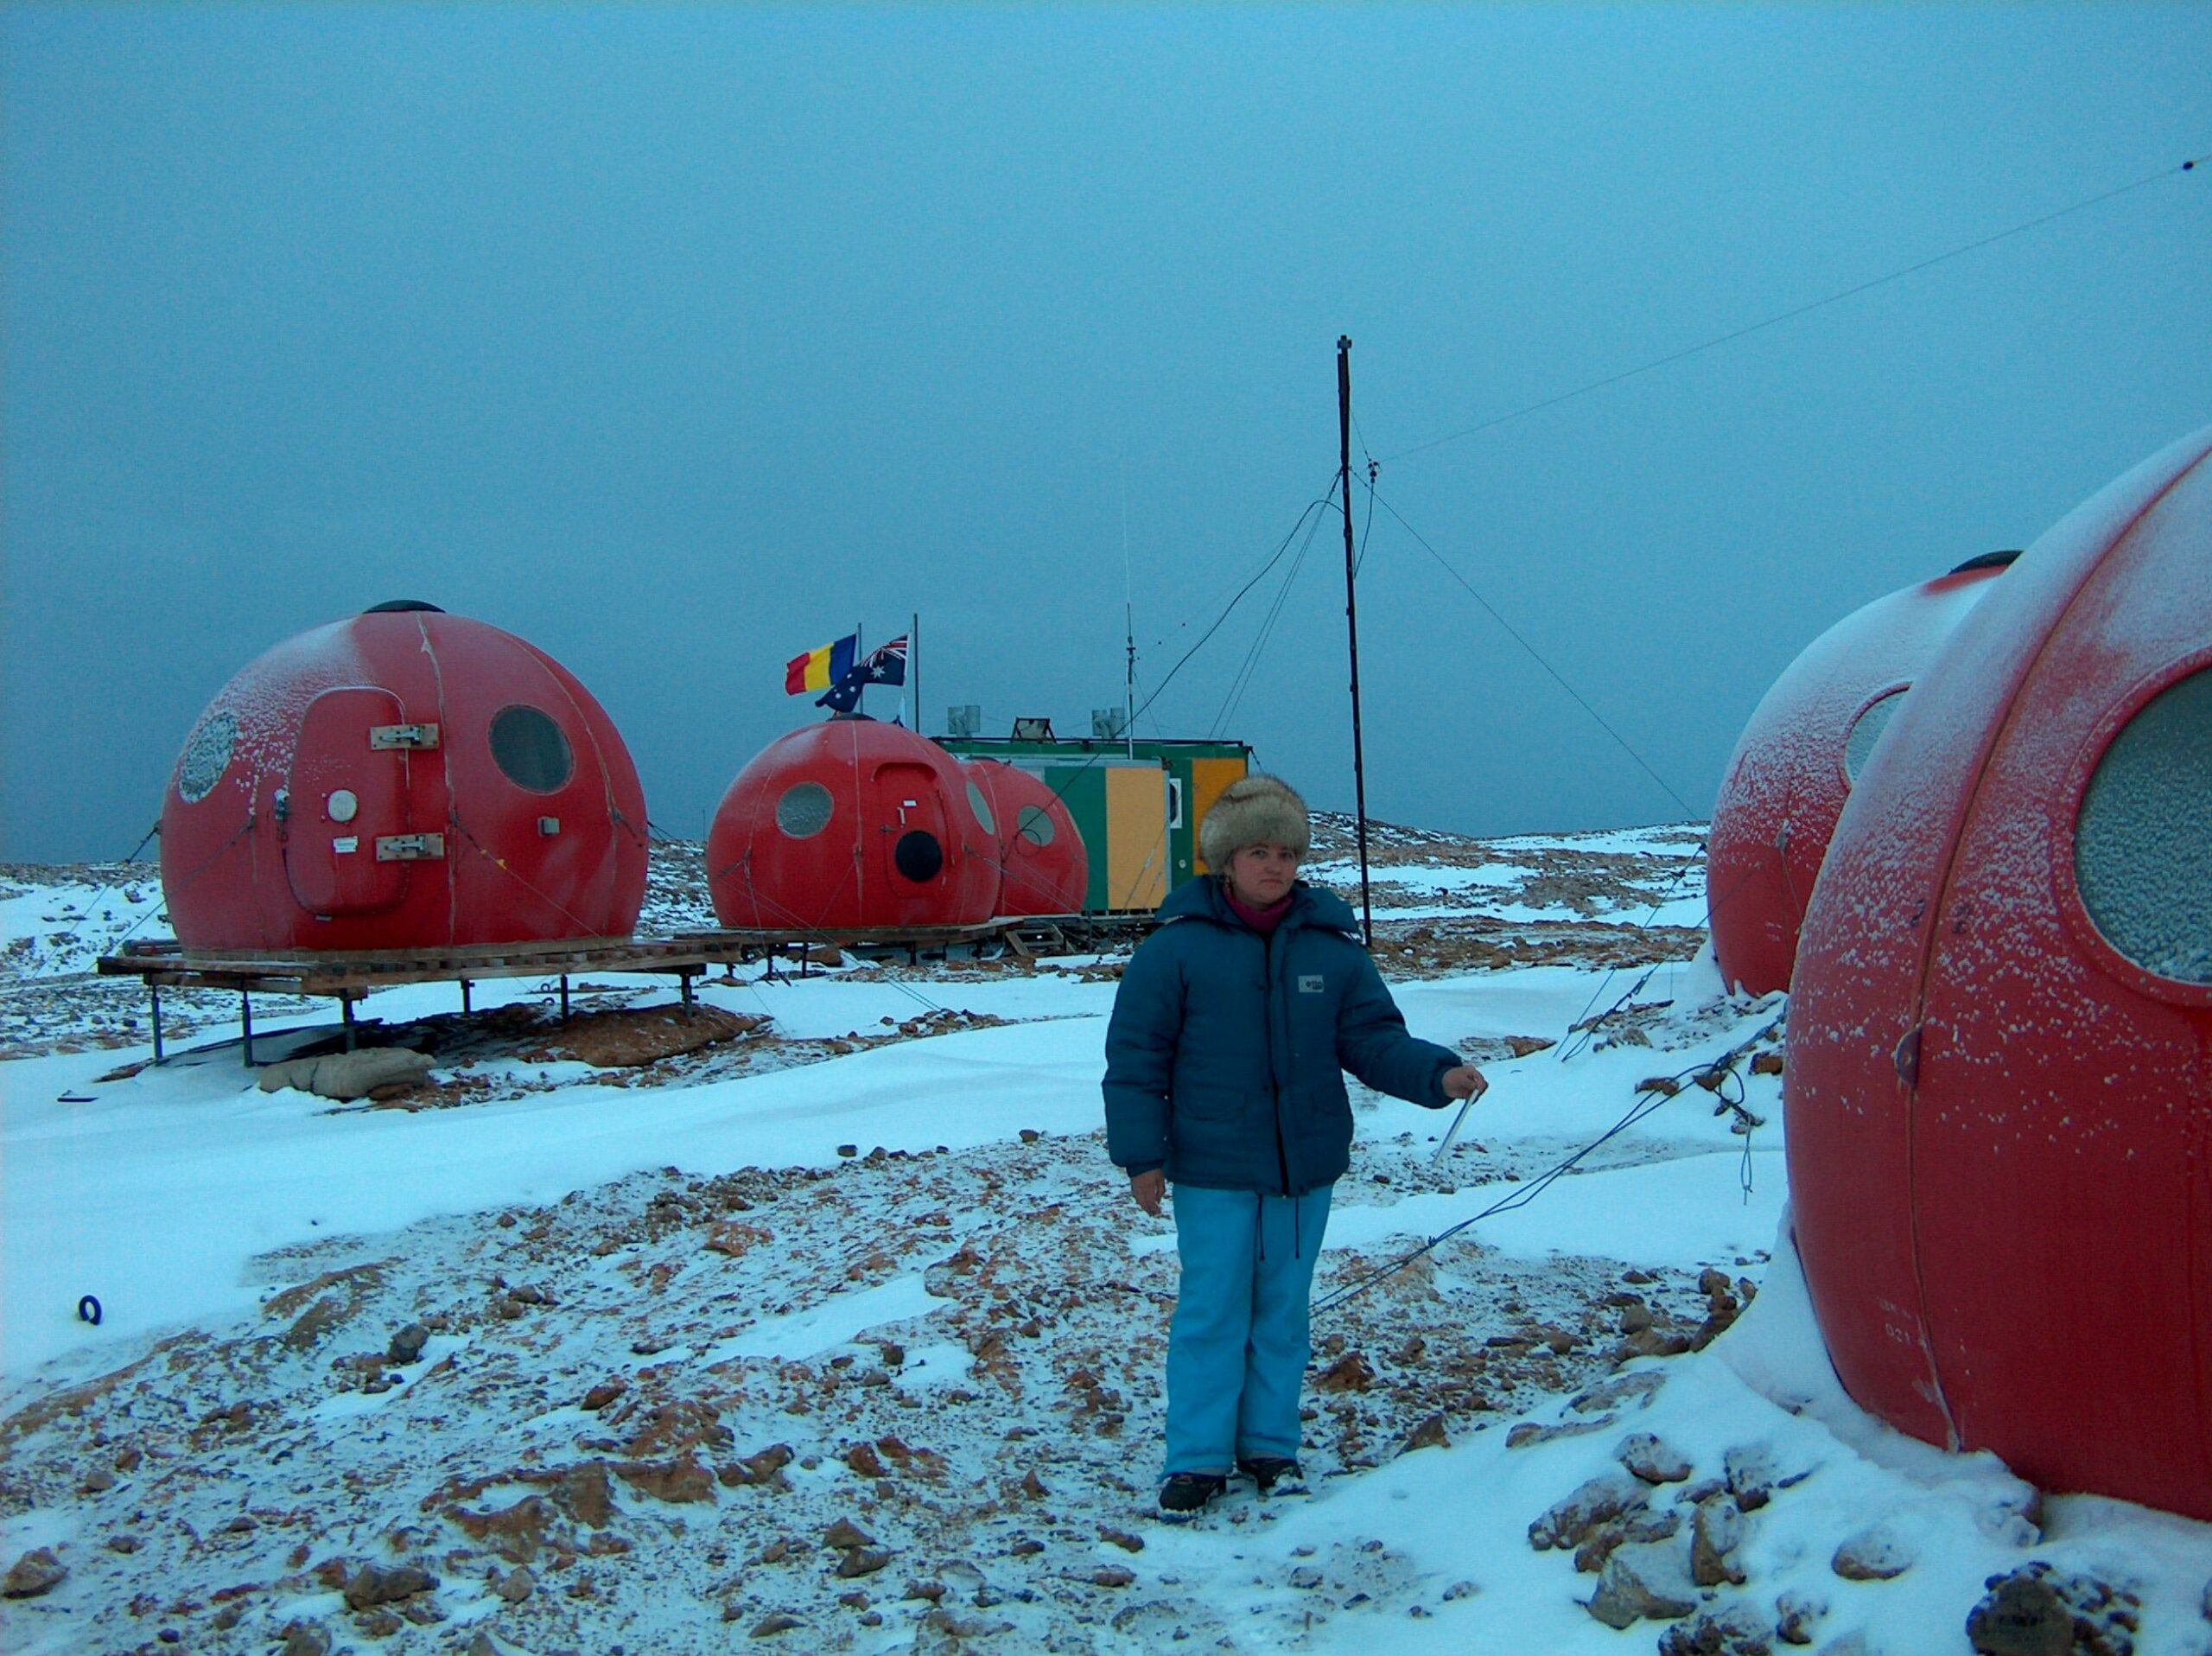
(1795, 311)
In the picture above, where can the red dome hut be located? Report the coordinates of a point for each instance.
(1999, 1079)
(852, 825)
(1795, 763)
(404, 779)
(1044, 866)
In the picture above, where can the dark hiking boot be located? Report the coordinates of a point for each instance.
(1273, 1475)
(1184, 1495)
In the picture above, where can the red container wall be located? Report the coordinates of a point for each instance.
(1999, 1116)
(810, 836)
(1044, 866)
(262, 847)
(1791, 770)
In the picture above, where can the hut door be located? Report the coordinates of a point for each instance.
(915, 844)
(344, 795)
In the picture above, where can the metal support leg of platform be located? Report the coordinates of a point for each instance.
(246, 1025)
(154, 993)
(465, 1006)
(564, 997)
(345, 1015)
(683, 982)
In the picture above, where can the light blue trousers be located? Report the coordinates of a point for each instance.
(1236, 1349)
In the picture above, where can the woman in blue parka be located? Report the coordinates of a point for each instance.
(1224, 1077)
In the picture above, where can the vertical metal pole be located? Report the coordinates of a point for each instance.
(155, 990)
(914, 665)
(465, 1006)
(683, 983)
(564, 997)
(345, 1013)
(1352, 627)
(246, 1025)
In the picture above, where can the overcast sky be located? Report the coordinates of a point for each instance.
(680, 341)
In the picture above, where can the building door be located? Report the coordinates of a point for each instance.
(345, 794)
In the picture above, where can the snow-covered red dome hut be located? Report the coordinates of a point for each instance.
(1795, 763)
(404, 779)
(852, 825)
(1044, 866)
(1999, 1079)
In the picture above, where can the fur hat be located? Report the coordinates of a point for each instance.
(1256, 810)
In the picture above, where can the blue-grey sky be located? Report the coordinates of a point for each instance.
(678, 342)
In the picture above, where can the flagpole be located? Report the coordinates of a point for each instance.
(860, 654)
(914, 664)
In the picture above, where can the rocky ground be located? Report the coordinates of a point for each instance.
(560, 1428)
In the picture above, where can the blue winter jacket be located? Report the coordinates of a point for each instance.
(1226, 1052)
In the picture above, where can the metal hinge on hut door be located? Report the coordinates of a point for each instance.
(422, 738)
(411, 848)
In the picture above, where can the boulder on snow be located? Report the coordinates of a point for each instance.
(1650, 1460)
(1737, 1630)
(1715, 1534)
(1566, 1523)
(1643, 1582)
(347, 1075)
(37, 1571)
(1874, 1554)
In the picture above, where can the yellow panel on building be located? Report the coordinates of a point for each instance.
(1136, 836)
(1209, 777)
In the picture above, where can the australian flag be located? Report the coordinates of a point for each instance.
(885, 665)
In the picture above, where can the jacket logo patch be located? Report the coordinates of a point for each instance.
(1310, 985)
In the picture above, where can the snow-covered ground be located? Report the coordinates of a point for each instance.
(841, 1333)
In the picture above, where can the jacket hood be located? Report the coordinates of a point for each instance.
(1201, 898)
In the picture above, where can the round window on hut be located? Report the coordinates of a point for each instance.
(981, 807)
(2143, 842)
(530, 750)
(206, 756)
(1867, 730)
(803, 812)
(1036, 825)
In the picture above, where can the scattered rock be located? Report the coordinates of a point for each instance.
(1528, 1434)
(37, 1571)
(1650, 1460)
(584, 1490)
(846, 1533)
(775, 1623)
(676, 1481)
(1795, 1616)
(1306, 1578)
(861, 1561)
(516, 1586)
(1429, 1434)
(1643, 1583)
(515, 1532)
(375, 1585)
(765, 1467)
(1750, 1471)
(1350, 1373)
(97, 1482)
(1638, 1387)
(604, 1393)
(305, 1638)
(1737, 1630)
(1715, 1533)
(1567, 1522)
(1113, 1576)
(863, 1460)
(1873, 1554)
(1637, 1525)
(1121, 1538)
(1766, 1063)
(2040, 1611)
(407, 1344)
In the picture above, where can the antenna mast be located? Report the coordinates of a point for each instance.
(1352, 625)
(1129, 628)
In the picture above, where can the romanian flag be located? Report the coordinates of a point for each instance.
(820, 669)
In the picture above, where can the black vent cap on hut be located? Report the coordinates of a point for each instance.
(1988, 561)
(396, 606)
